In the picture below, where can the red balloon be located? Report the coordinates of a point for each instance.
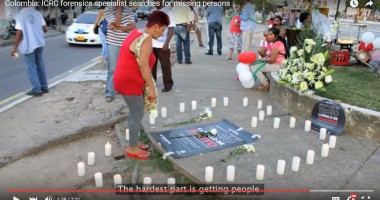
(247, 57)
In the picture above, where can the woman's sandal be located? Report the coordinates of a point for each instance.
(142, 146)
(141, 156)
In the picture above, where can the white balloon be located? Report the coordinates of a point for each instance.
(241, 66)
(249, 84)
(376, 43)
(368, 37)
(245, 76)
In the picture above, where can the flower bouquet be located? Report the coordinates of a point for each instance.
(306, 69)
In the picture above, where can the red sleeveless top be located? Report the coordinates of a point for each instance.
(127, 77)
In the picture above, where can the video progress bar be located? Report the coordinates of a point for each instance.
(342, 191)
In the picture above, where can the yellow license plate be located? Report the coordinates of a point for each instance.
(80, 38)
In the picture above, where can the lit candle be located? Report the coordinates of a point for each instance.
(269, 110)
(171, 182)
(260, 169)
(193, 105)
(152, 120)
(325, 150)
(292, 122)
(310, 157)
(280, 167)
(332, 141)
(164, 112)
(126, 134)
(108, 149)
(296, 163)
(260, 104)
(81, 169)
(182, 107)
(209, 174)
(245, 102)
(90, 158)
(276, 123)
(322, 134)
(254, 122)
(147, 181)
(307, 125)
(225, 101)
(261, 115)
(98, 179)
(230, 173)
(213, 102)
(117, 179)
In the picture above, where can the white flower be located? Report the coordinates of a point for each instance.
(310, 66)
(318, 59)
(308, 49)
(328, 79)
(310, 42)
(208, 112)
(249, 148)
(214, 131)
(293, 49)
(311, 76)
(318, 85)
(295, 79)
(154, 113)
(300, 52)
(303, 86)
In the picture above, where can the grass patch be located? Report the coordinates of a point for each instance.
(356, 86)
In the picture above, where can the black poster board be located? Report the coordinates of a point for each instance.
(329, 115)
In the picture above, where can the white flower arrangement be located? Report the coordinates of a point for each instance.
(306, 68)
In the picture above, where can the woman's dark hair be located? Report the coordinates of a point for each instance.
(304, 16)
(276, 32)
(278, 17)
(158, 17)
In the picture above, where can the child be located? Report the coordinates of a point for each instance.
(236, 37)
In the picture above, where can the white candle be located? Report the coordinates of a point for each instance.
(260, 104)
(98, 179)
(276, 123)
(90, 158)
(322, 134)
(182, 107)
(230, 173)
(164, 112)
(213, 102)
(193, 105)
(152, 120)
(296, 163)
(269, 110)
(307, 125)
(292, 122)
(254, 122)
(117, 179)
(245, 102)
(81, 169)
(332, 141)
(108, 149)
(171, 182)
(147, 181)
(310, 157)
(209, 174)
(325, 150)
(225, 101)
(126, 134)
(280, 167)
(261, 115)
(260, 169)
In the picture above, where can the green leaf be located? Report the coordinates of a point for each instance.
(322, 90)
(283, 82)
(297, 86)
(329, 72)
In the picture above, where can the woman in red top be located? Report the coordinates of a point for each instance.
(133, 72)
(236, 36)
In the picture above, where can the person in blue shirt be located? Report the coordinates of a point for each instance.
(248, 24)
(214, 19)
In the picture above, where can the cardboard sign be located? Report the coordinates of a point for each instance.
(329, 115)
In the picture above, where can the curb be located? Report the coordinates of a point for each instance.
(12, 41)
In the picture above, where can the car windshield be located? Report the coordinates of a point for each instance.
(87, 18)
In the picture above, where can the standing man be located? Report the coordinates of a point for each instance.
(120, 22)
(195, 18)
(214, 19)
(30, 41)
(183, 22)
(248, 24)
(161, 50)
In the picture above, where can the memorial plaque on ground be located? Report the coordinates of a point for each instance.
(183, 142)
(329, 115)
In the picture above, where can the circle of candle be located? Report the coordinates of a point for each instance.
(310, 157)
(269, 110)
(152, 120)
(117, 179)
(245, 102)
(307, 125)
(182, 107)
(209, 174)
(81, 169)
(213, 102)
(98, 179)
(325, 150)
(261, 115)
(164, 112)
(126, 134)
(280, 167)
(230, 173)
(108, 149)
(322, 134)
(91, 158)
(193, 105)
(276, 123)
(259, 104)
(147, 181)
(260, 169)
(254, 122)
(292, 122)
(296, 163)
(225, 101)
(332, 141)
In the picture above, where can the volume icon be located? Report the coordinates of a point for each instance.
(48, 198)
